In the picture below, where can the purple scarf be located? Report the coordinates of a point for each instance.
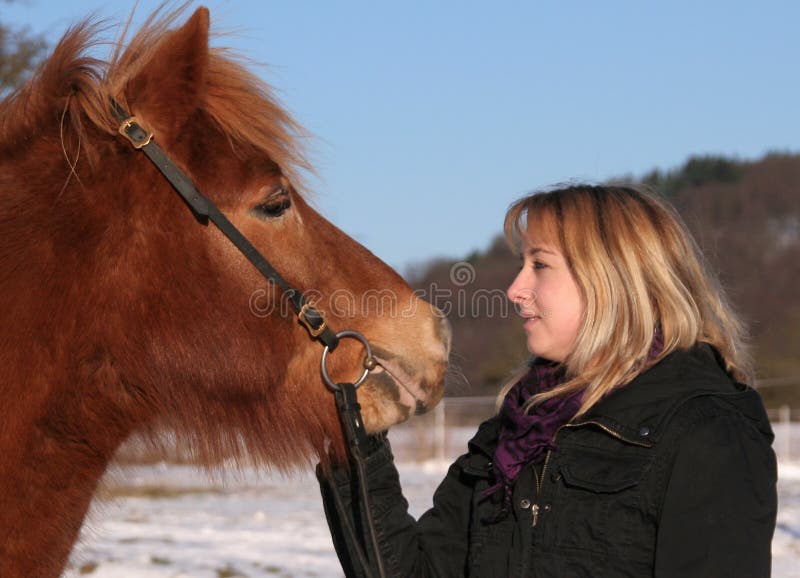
(526, 437)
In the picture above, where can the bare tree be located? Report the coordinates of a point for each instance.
(20, 51)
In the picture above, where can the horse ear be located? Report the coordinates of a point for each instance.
(171, 85)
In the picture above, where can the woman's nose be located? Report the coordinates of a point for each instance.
(514, 291)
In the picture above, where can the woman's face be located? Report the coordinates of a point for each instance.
(548, 298)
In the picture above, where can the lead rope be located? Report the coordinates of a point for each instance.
(357, 441)
(356, 436)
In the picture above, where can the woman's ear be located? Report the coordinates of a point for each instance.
(171, 84)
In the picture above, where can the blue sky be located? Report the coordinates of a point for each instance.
(430, 118)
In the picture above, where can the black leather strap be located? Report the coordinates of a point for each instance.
(352, 422)
(205, 210)
(358, 443)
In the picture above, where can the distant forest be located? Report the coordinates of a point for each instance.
(745, 216)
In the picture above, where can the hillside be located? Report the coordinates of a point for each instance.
(745, 216)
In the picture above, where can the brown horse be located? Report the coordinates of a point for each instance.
(123, 313)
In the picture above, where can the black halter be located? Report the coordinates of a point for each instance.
(205, 210)
(344, 393)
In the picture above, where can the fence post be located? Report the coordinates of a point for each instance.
(439, 430)
(785, 419)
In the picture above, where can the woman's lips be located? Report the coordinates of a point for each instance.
(531, 321)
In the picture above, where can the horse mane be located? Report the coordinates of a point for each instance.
(80, 86)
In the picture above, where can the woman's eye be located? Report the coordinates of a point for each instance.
(539, 265)
(274, 207)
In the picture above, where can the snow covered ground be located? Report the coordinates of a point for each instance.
(786, 543)
(173, 521)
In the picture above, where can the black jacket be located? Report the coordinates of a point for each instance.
(670, 476)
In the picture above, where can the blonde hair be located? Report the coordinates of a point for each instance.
(638, 268)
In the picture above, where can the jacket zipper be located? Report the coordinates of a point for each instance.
(540, 479)
(609, 431)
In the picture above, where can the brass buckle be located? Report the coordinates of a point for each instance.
(132, 124)
(302, 317)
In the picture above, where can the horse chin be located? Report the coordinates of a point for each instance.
(390, 396)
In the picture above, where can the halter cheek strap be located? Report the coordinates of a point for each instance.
(142, 139)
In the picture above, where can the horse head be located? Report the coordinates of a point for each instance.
(126, 313)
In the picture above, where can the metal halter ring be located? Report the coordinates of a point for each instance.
(369, 362)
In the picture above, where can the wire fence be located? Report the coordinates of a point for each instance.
(786, 425)
(443, 433)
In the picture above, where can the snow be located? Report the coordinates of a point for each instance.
(786, 543)
(176, 521)
(171, 521)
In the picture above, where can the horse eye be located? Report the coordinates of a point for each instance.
(274, 207)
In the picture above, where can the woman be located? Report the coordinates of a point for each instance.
(630, 446)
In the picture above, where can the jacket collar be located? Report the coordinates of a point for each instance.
(640, 409)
